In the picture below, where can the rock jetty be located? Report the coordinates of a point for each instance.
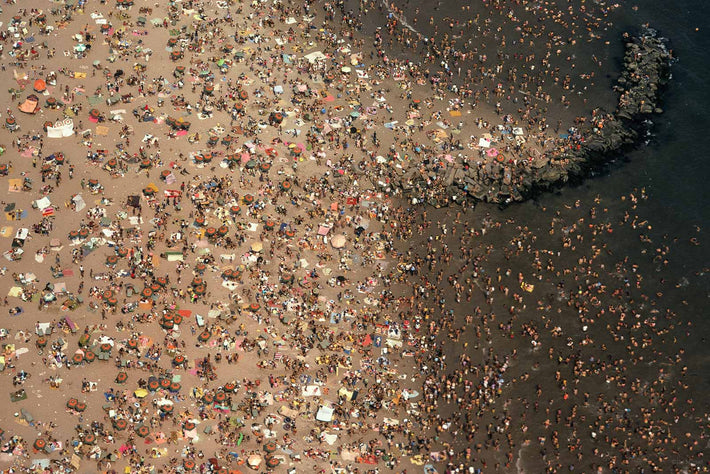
(645, 72)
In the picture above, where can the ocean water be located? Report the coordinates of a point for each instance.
(668, 174)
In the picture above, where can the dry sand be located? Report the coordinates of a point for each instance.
(346, 203)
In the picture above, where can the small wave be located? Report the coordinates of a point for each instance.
(401, 19)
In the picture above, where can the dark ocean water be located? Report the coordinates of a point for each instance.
(672, 168)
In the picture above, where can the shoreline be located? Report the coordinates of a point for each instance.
(645, 72)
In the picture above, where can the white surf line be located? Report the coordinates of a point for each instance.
(400, 18)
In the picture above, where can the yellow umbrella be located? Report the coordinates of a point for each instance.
(257, 247)
(141, 393)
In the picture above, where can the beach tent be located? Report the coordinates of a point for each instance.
(30, 105)
(42, 203)
(61, 129)
(315, 56)
(79, 202)
(325, 414)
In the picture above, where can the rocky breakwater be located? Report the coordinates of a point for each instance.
(646, 69)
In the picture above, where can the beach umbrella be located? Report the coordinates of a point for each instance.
(40, 85)
(220, 397)
(4, 169)
(175, 387)
(83, 232)
(141, 393)
(200, 290)
(146, 293)
(269, 225)
(254, 307)
(197, 281)
(121, 377)
(113, 301)
(204, 336)
(166, 408)
(165, 383)
(10, 122)
(120, 424)
(248, 199)
(227, 274)
(199, 221)
(211, 232)
(188, 464)
(227, 140)
(243, 95)
(148, 191)
(112, 163)
(254, 461)
(265, 167)
(223, 230)
(51, 102)
(208, 398)
(73, 234)
(290, 234)
(89, 356)
(143, 431)
(257, 247)
(230, 386)
(338, 241)
(132, 344)
(39, 444)
(235, 210)
(164, 174)
(153, 385)
(89, 438)
(179, 71)
(179, 359)
(208, 89)
(105, 347)
(94, 113)
(78, 358)
(146, 163)
(41, 341)
(272, 462)
(270, 447)
(207, 157)
(80, 407)
(166, 323)
(188, 426)
(176, 55)
(162, 281)
(122, 252)
(200, 267)
(46, 125)
(111, 260)
(72, 403)
(286, 185)
(172, 42)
